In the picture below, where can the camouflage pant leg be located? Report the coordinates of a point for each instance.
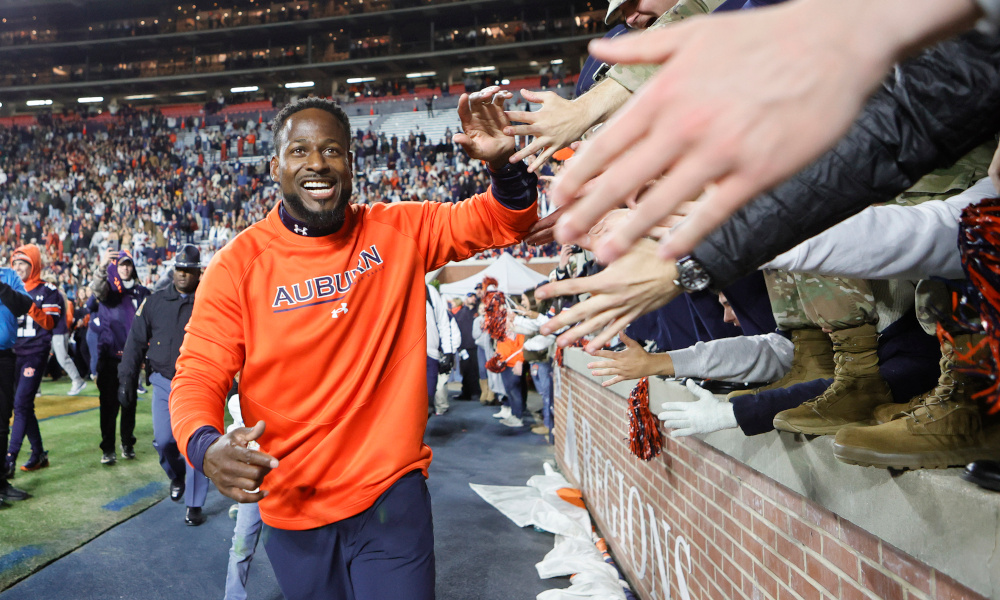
(785, 302)
(836, 303)
(933, 303)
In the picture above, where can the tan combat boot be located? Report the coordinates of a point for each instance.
(943, 428)
(812, 359)
(856, 390)
(485, 393)
(952, 384)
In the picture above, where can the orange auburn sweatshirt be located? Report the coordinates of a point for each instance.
(329, 333)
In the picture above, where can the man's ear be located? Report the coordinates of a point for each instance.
(274, 169)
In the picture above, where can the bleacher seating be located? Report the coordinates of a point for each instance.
(401, 124)
(180, 111)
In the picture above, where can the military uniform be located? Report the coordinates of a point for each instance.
(806, 300)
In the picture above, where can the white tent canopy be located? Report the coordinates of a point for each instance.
(512, 278)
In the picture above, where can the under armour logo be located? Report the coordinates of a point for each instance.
(339, 311)
(301, 230)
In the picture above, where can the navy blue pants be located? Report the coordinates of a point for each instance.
(383, 553)
(28, 372)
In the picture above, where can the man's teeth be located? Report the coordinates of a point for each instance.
(317, 185)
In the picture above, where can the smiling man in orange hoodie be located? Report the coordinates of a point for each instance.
(320, 306)
(34, 339)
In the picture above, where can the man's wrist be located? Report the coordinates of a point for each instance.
(497, 164)
(665, 365)
(603, 100)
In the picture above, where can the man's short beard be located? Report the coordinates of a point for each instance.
(332, 219)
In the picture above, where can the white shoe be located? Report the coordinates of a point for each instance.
(512, 421)
(77, 387)
(503, 413)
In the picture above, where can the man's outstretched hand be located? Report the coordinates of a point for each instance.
(630, 287)
(483, 122)
(235, 469)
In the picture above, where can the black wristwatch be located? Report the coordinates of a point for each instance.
(691, 276)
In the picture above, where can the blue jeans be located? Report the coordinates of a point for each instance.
(92, 339)
(541, 374)
(512, 385)
(245, 538)
(195, 484)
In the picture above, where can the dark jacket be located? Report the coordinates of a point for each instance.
(115, 312)
(156, 333)
(934, 108)
(464, 317)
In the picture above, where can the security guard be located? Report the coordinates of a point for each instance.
(157, 333)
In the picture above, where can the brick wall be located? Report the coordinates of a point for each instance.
(705, 526)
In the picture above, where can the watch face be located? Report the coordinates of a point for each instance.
(692, 277)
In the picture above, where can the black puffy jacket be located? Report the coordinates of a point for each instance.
(932, 109)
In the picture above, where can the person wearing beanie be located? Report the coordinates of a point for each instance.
(120, 295)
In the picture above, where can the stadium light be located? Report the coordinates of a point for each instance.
(90, 99)
(248, 88)
(424, 74)
(140, 97)
(505, 82)
(38, 102)
(479, 69)
(360, 79)
(299, 84)
(191, 93)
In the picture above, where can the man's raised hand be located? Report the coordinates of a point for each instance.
(483, 121)
(557, 124)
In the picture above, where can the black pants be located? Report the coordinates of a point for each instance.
(7, 372)
(107, 385)
(469, 368)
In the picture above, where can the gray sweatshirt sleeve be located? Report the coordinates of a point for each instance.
(889, 242)
(746, 358)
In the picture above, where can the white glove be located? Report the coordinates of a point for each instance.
(705, 415)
